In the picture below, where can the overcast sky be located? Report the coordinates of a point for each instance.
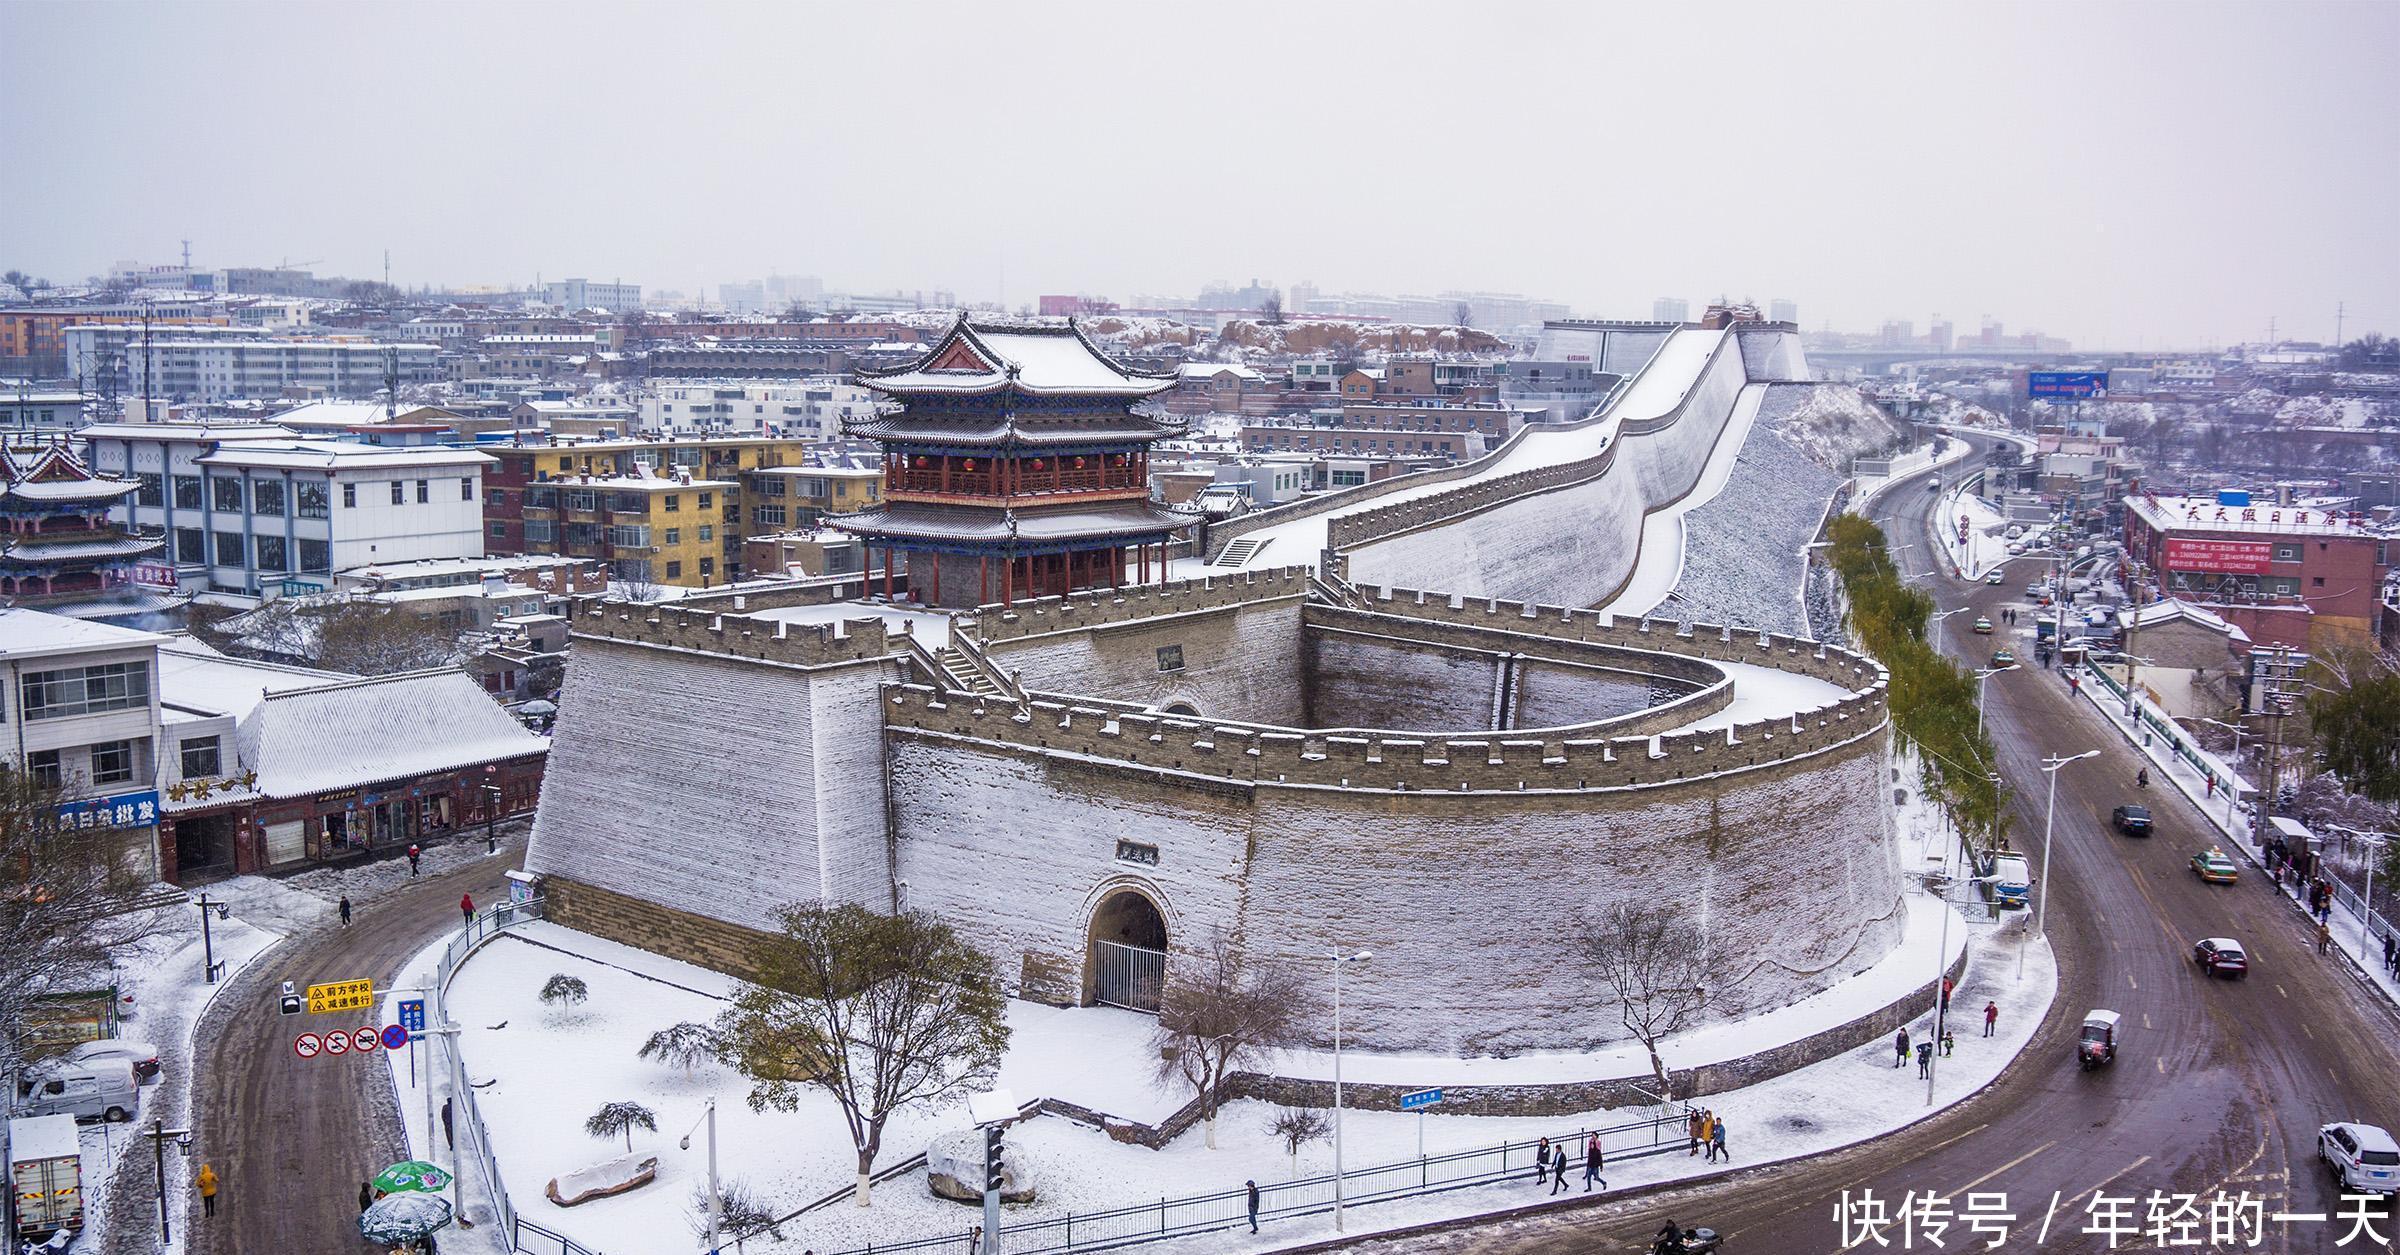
(2129, 174)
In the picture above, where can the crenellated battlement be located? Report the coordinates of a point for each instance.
(1260, 756)
(1099, 607)
(1720, 644)
(740, 636)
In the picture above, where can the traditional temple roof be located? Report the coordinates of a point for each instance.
(1037, 359)
(52, 475)
(912, 520)
(32, 550)
(1104, 429)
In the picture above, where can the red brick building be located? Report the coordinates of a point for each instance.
(2305, 575)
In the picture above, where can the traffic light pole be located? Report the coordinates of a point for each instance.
(992, 1136)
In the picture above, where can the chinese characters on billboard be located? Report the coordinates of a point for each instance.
(2233, 557)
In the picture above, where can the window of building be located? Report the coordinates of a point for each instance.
(309, 498)
(187, 492)
(674, 570)
(44, 766)
(1170, 657)
(112, 762)
(566, 463)
(2316, 581)
(316, 556)
(499, 531)
(466, 488)
(200, 757)
(190, 545)
(151, 489)
(584, 500)
(229, 549)
(273, 554)
(424, 492)
(225, 493)
(540, 531)
(674, 502)
(674, 536)
(266, 497)
(85, 690)
(2287, 553)
(629, 536)
(707, 499)
(767, 515)
(541, 498)
(2286, 585)
(710, 533)
(349, 495)
(399, 492)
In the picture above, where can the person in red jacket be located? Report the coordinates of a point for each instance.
(466, 907)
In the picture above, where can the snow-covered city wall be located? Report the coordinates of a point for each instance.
(1240, 660)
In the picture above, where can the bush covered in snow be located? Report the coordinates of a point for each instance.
(617, 1118)
(564, 991)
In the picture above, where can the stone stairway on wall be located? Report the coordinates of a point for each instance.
(1239, 552)
(963, 674)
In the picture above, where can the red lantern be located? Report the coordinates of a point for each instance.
(1079, 464)
(967, 465)
(920, 462)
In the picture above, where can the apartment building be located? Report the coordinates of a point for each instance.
(84, 700)
(33, 341)
(210, 369)
(801, 496)
(813, 407)
(649, 527)
(255, 510)
(535, 461)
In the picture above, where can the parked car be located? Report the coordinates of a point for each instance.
(2212, 866)
(103, 1089)
(2221, 956)
(2364, 1158)
(2133, 821)
(2037, 589)
(141, 1054)
(1983, 626)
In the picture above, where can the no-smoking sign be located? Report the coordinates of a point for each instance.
(306, 1045)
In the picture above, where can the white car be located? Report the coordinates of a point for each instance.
(2363, 1157)
(141, 1054)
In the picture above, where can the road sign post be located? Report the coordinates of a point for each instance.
(1418, 1102)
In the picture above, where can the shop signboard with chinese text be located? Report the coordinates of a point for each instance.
(2231, 557)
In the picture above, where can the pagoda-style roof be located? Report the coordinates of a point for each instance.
(1100, 521)
(1046, 432)
(1035, 359)
(34, 551)
(52, 475)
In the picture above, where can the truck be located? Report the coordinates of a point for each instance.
(2011, 880)
(45, 1177)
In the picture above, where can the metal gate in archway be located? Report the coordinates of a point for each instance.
(1128, 976)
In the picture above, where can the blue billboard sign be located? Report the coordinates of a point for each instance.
(122, 810)
(2066, 384)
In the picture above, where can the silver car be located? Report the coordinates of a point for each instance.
(2363, 1157)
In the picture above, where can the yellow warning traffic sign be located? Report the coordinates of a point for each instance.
(341, 995)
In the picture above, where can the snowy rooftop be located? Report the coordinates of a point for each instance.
(340, 455)
(1038, 358)
(930, 627)
(2203, 514)
(32, 634)
(2171, 609)
(192, 677)
(388, 728)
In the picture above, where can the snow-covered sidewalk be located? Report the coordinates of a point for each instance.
(549, 1068)
(2228, 816)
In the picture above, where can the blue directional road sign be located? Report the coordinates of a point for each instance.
(412, 1015)
(1421, 1098)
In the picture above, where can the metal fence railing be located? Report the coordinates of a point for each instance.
(1227, 1209)
(1130, 976)
(474, 1140)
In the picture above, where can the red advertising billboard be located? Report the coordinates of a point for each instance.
(2233, 557)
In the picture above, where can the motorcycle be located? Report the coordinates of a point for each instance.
(1677, 1241)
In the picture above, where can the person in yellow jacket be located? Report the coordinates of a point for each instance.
(207, 1183)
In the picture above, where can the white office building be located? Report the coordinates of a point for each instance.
(814, 406)
(255, 510)
(84, 701)
(209, 369)
(586, 294)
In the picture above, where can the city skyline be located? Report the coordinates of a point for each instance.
(1860, 161)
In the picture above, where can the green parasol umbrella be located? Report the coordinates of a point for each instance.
(412, 1177)
(403, 1217)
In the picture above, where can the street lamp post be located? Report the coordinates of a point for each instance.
(2041, 906)
(208, 946)
(159, 1136)
(715, 1199)
(1338, 961)
(2233, 786)
(1983, 674)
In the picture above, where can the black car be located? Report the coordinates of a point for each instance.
(2133, 821)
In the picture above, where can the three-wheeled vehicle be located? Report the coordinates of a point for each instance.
(2098, 1045)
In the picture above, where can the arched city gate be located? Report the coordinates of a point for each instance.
(1127, 962)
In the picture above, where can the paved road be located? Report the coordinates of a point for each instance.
(2219, 1085)
(292, 1139)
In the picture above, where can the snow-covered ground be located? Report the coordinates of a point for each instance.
(1987, 539)
(547, 1070)
(164, 974)
(1766, 692)
(1659, 388)
(932, 627)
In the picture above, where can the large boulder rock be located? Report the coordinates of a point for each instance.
(600, 1180)
(954, 1169)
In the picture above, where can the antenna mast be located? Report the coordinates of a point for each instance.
(391, 381)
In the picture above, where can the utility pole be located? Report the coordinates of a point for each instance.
(159, 1136)
(2338, 311)
(147, 364)
(208, 948)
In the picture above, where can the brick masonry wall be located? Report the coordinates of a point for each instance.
(1240, 661)
(638, 922)
(1360, 681)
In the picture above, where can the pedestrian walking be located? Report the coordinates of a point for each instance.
(2211, 785)
(466, 907)
(345, 911)
(2391, 953)
(413, 854)
(447, 1139)
(1541, 1160)
(207, 1184)
(1716, 1142)
(1591, 1165)
(366, 1195)
(1991, 1016)
(1558, 1168)
(2324, 936)
(1948, 1042)
(1691, 1126)
(1925, 1059)
(1252, 1188)
(1900, 1044)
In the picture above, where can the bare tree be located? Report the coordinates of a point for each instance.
(1218, 1015)
(373, 639)
(621, 1117)
(1296, 1127)
(1462, 314)
(742, 1211)
(66, 901)
(879, 1011)
(1661, 969)
(685, 1045)
(1270, 310)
